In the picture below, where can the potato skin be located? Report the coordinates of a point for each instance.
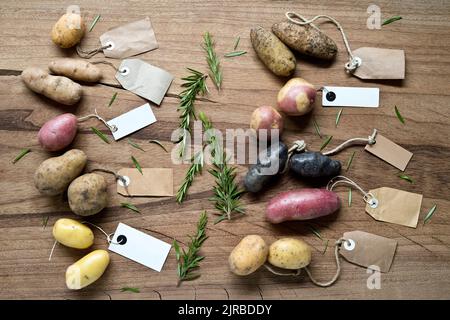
(87, 270)
(306, 40)
(250, 254)
(289, 253)
(268, 118)
(75, 69)
(73, 234)
(272, 52)
(88, 194)
(302, 204)
(54, 175)
(296, 97)
(65, 32)
(314, 165)
(58, 133)
(59, 89)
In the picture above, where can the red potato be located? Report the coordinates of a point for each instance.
(268, 118)
(303, 204)
(58, 133)
(296, 98)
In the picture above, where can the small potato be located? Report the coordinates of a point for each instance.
(59, 89)
(59, 132)
(88, 194)
(248, 255)
(75, 69)
(87, 270)
(73, 234)
(267, 118)
(296, 97)
(54, 175)
(289, 254)
(68, 30)
(272, 52)
(314, 165)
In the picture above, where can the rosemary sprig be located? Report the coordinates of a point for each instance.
(429, 214)
(159, 144)
(326, 247)
(213, 60)
(350, 161)
(135, 145)
(136, 164)
(94, 22)
(316, 126)
(315, 231)
(234, 54)
(406, 178)
(189, 260)
(22, 153)
(134, 290)
(45, 222)
(238, 39)
(349, 197)
(195, 168)
(326, 142)
(338, 117)
(113, 98)
(390, 20)
(399, 116)
(100, 134)
(130, 206)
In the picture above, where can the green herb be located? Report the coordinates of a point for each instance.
(429, 214)
(196, 167)
(326, 142)
(326, 247)
(22, 153)
(44, 222)
(399, 116)
(113, 98)
(100, 134)
(315, 231)
(349, 197)
(350, 161)
(213, 60)
(136, 164)
(390, 20)
(130, 206)
(159, 144)
(234, 54)
(238, 39)
(134, 145)
(405, 177)
(316, 126)
(338, 117)
(94, 22)
(195, 84)
(134, 290)
(189, 260)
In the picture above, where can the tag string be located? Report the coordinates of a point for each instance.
(86, 54)
(367, 196)
(109, 64)
(113, 128)
(354, 62)
(108, 236)
(297, 146)
(370, 140)
(117, 176)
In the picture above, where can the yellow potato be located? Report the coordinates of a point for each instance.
(68, 30)
(248, 255)
(88, 194)
(289, 253)
(72, 233)
(54, 175)
(87, 270)
(75, 69)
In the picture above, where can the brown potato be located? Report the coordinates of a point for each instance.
(297, 97)
(88, 194)
(75, 69)
(248, 255)
(266, 118)
(68, 30)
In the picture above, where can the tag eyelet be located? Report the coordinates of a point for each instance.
(124, 71)
(127, 181)
(349, 244)
(373, 203)
(110, 45)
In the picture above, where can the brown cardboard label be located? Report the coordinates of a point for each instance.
(390, 152)
(378, 63)
(155, 182)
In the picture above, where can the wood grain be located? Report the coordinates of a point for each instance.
(421, 266)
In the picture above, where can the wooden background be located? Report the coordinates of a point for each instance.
(421, 267)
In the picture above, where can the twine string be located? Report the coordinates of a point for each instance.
(86, 54)
(113, 128)
(367, 196)
(370, 140)
(297, 146)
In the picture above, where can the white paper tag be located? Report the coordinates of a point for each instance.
(140, 247)
(132, 121)
(350, 97)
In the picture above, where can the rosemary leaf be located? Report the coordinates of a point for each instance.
(159, 144)
(136, 164)
(45, 222)
(238, 39)
(212, 60)
(390, 20)
(399, 116)
(326, 142)
(196, 167)
(234, 54)
(134, 290)
(405, 177)
(326, 247)
(134, 145)
(316, 126)
(22, 153)
(130, 206)
(315, 231)
(349, 197)
(100, 134)
(94, 22)
(429, 214)
(113, 98)
(350, 161)
(338, 117)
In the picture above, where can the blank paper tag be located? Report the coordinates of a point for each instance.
(390, 152)
(350, 97)
(378, 63)
(140, 247)
(366, 249)
(143, 79)
(156, 182)
(129, 40)
(132, 121)
(395, 206)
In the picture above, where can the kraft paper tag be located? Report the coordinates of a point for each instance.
(153, 182)
(390, 152)
(129, 40)
(132, 121)
(350, 97)
(139, 247)
(378, 63)
(143, 79)
(395, 206)
(368, 250)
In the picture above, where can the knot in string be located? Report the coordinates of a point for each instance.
(367, 196)
(298, 146)
(86, 54)
(370, 140)
(113, 128)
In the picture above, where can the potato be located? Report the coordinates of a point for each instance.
(303, 204)
(76, 69)
(296, 97)
(59, 89)
(314, 165)
(88, 194)
(248, 255)
(54, 175)
(267, 118)
(87, 270)
(73, 234)
(68, 30)
(58, 133)
(289, 253)
(306, 40)
(272, 52)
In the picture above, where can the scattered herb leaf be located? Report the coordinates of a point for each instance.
(405, 177)
(350, 161)
(136, 164)
(94, 22)
(235, 54)
(44, 222)
(326, 247)
(113, 98)
(134, 145)
(213, 60)
(399, 116)
(338, 117)
(316, 126)
(196, 167)
(238, 39)
(390, 20)
(326, 142)
(349, 197)
(100, 134)
(315, 231)
(135, 290)
(159, 144)
(130, 206)
(22, 153)
(429, 214)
